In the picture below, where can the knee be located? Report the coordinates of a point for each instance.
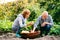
(48, 27)
(14, 29)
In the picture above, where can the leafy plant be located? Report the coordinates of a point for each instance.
(55, 30)
(5, 25)
(29, 28)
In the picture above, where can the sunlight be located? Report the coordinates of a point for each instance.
(5, 1)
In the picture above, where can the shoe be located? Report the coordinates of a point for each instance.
(18, 35)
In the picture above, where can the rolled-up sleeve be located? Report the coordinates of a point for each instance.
(51, 21)
(21, 23)
(37, 22)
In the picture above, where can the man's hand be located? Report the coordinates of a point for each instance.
(46, 22)
(43, 24)
(32, 31)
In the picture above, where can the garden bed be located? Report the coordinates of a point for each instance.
(11, 36)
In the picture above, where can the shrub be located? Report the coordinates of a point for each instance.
(29, 28)
(35, 11)
(55, 30)
(5, 25)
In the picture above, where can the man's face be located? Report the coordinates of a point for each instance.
(44, 16)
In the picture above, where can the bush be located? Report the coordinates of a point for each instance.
(55, 30)
(5, 25)
(29, 28)
(35, 11)
(54, 9)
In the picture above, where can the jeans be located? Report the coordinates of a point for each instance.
(16, 29)
(45, 29)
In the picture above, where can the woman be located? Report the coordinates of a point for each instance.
(20, 22)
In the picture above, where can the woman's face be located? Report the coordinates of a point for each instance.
(27, 15)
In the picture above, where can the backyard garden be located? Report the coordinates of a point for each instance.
(10, 10)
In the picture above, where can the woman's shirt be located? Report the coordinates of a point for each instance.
(20, 21)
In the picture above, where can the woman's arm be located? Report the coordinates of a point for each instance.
(20, 22)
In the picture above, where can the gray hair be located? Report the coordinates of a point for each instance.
(45, 12)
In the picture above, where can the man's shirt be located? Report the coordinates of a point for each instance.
(40, 21)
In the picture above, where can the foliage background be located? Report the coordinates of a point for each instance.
(10, 10)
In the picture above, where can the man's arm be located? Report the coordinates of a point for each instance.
(51, 21)
(37, 22)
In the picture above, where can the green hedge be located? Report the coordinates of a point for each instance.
(55, 30)
(6, 26)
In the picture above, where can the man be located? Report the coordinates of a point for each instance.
(20, 22)
(45, 22)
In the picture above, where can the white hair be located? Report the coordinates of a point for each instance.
(45, 13)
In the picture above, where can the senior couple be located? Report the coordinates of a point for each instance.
(44, 21)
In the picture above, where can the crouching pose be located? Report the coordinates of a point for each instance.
(20, 22)
(44, 22)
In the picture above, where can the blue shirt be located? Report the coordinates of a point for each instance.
(19, 21)
(40, 21)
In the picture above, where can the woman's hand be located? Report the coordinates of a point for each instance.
(30, 23)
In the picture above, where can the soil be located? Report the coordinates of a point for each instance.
(11, 36)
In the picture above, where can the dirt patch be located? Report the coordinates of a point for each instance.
(11, 36)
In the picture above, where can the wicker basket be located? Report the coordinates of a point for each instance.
(31, 35)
